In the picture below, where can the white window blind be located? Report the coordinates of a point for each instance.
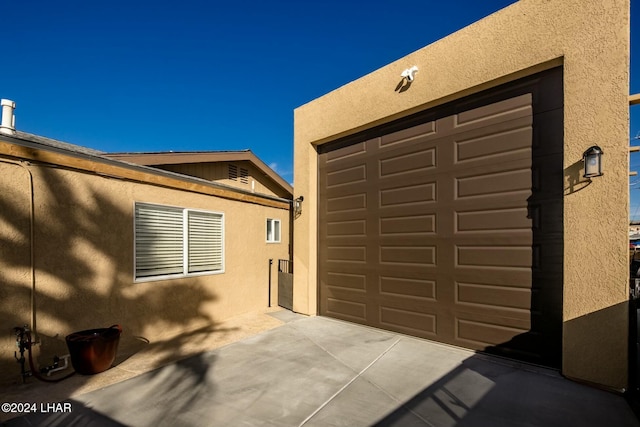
(176, 241)
(205, 241)
(159, 246)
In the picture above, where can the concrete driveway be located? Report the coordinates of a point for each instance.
(323, 372)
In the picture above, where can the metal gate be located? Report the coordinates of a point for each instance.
(285, 283)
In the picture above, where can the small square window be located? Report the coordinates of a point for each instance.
(273, 230)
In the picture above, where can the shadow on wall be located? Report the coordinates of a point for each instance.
(612, 355)
(83, 260)
(574, 181)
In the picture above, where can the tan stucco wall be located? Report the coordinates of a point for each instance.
(591, 41)
(84, 261)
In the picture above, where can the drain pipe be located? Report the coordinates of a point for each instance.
(8, 127)
(25, 166)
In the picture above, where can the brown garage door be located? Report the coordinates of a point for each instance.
(451, 228)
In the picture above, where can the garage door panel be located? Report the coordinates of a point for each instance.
(494, 219)
(401, 224)
(348, 176)
(494, 144)
(488, 183)
(348, 310)
(501, 161)
(397, 222)
(510, 298)
(348, 280)
(340, 290)
(498, 257)
(496, 113)
(511, 141)
(489, 238)
(408, 201)
(348, 202)
(490, 206)
(400, 250)
(422, 133)
(349, 172)
(485, 333)
(451, 229)
(414, 189)
(346, 181)
(341, 220)
(347, 228)
(346, 253)
(411, 322)
(409, 272)
(345, 152)
(521, 278)
(408, 254)
(399, 286)
(413, 161)
(408, 194)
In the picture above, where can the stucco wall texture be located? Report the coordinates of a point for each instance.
(84, 261)
(590, 40)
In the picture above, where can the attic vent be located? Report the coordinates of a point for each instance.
(244, 176)
(233, 172)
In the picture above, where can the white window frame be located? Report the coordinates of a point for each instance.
(185, 243)
(274, 239)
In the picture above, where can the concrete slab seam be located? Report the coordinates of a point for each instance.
(349, 383)
(322, 347)
(400, 403)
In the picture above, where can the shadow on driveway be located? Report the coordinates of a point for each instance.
(323, 372)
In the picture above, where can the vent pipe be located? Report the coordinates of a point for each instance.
(8, 126)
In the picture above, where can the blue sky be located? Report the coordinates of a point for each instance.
(210, 75)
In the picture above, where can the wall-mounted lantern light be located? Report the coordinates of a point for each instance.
(592, 162)
(297, 206)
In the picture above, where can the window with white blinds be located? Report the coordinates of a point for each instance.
(173, 241)
(204, 241)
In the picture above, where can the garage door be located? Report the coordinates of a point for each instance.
(449, 226)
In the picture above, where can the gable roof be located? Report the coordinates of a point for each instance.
(185, 157)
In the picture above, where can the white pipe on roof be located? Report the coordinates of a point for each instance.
(8, 124)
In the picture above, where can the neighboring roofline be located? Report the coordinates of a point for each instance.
(49, 142)
(183, 157)
(38, 149)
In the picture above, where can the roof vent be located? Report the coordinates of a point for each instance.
(8, 126)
